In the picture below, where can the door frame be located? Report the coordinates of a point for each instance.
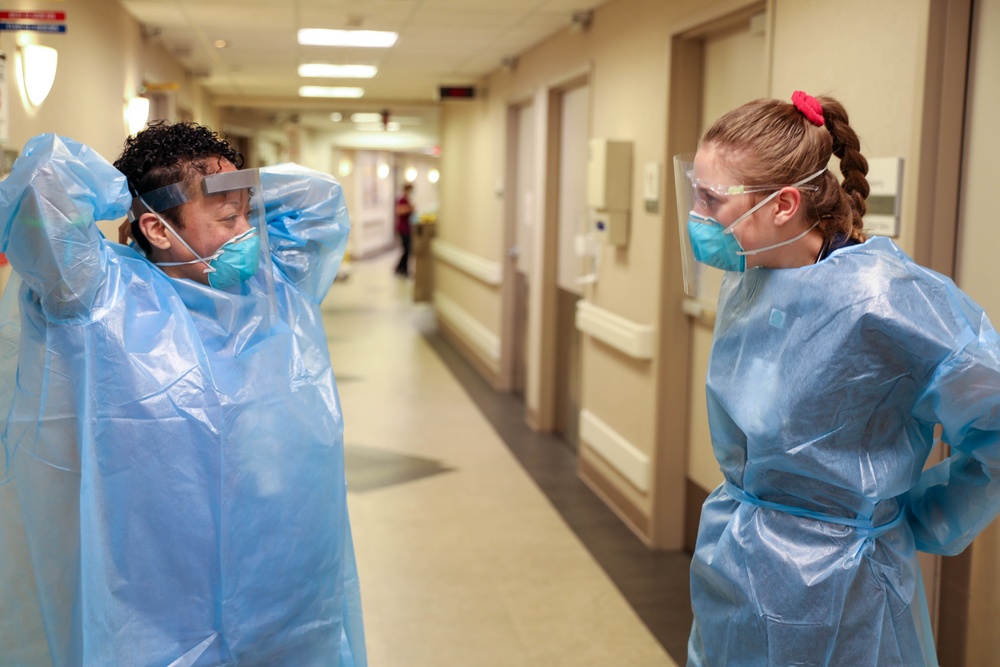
(512, 354)
(676, 505)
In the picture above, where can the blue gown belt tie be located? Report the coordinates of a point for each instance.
(864, 525)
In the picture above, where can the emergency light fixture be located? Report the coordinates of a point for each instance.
(456, 92)
(356, 38)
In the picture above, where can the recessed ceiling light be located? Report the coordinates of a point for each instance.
(336, 116)
(361, 38)
(338, 71)
(330, 91)
(221, 43)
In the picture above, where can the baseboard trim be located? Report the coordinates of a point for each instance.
(622, 455)
(486, 370)
(484, 343)
(631, 515)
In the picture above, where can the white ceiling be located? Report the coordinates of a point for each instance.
(441, 42)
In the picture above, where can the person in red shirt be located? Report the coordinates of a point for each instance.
(404, 209)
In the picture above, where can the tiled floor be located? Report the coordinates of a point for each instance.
(473, 551)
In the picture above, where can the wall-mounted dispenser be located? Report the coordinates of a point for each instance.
(609, 179)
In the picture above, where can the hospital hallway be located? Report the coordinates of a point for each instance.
(477, 545)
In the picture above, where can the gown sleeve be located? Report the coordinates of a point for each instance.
(307, 225)
(56, 191)
(959, 497)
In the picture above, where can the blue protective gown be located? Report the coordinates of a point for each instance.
(824, 387)
(174, 489)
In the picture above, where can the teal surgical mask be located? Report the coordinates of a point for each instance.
(712, 246)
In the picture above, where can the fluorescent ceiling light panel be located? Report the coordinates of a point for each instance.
(360, 38)
(330, 91)
(338, 71)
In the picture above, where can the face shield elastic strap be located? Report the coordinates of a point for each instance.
(198, 258)
(730, 228)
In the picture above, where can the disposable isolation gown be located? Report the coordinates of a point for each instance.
(174, 489)
(824, 386)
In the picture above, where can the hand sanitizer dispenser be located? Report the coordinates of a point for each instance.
(609, 177)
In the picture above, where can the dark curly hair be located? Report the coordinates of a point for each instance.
(166, 153)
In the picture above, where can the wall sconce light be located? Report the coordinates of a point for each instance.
(410, 174)
(345, 167)
(383, 171)
(136, 114)
(36, 73)
(433, 175)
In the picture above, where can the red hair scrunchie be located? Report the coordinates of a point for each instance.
(809, 106)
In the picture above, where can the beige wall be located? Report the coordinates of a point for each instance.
(102, 61)
(471, 150)
(874, 71)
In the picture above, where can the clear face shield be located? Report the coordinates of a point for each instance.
(229, 207)
(708, 214)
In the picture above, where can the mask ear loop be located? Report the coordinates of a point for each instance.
(198, 258)
(730, 228)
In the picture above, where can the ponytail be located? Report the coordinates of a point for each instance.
(853, 165)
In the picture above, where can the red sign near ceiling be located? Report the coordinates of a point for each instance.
(33, 16)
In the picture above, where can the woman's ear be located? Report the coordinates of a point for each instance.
(155, 231)
(787, 204)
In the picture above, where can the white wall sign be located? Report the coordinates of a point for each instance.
(885, 177)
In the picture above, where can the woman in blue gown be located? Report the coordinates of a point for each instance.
(173, 491)
(834, 358)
